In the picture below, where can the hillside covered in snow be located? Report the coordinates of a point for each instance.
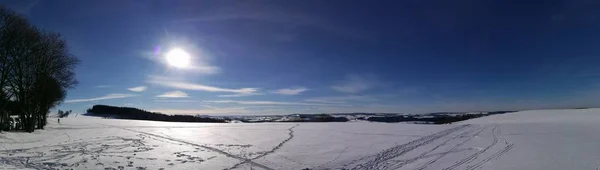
(539, 139)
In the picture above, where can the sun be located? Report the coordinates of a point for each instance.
(178, 58)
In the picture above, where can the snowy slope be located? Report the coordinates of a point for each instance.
(541, 139)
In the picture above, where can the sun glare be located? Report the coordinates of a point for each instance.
(178, 58)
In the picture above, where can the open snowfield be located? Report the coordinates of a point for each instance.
(541, 139)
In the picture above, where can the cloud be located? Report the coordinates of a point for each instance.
(199, 87)
(369, 108)
(273, 14)
(240, 95)
(106, 97)
(205, 69)
(290, 91)
(356, 83)
(138, 89)
(162, 100)
(261, 102)
(209, 106)
(203, 111)
(102, 86)
(174, 94)
(340, 99)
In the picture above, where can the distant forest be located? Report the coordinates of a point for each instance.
(438, 119)
(138, 114)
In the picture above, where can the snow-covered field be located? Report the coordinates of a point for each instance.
(541, 139)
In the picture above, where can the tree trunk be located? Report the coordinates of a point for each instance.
(2, 119)
(31, 126)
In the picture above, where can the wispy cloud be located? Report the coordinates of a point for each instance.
(205, 69)
(371, 108)
(290, 91)
(138, 89)
(240, 95)
(203, 111)
(262, 102)
(106, 97)
(340, 99)
(163, 100)
(199, 87)
(174, 94)
(102, 86)
(209, 106)
(356, 83)
(273, 14)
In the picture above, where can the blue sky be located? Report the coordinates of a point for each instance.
(282, 57)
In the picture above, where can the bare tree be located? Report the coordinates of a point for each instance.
(8, 22)
(37, 69)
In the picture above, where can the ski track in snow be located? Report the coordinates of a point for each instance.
(379, 160)
(334, 159)
(290, 136)
(476, 154)
(389, 158)
(451, 150)
(50, 156)
(424, 154)
(495, 155)
(245, 160)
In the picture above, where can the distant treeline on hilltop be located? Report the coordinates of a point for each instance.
(138, 114)
(431, 118)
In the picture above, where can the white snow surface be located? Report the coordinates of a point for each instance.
(539, 139)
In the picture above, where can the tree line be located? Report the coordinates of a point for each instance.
(138, 114)
(36, 70)
(435, 119)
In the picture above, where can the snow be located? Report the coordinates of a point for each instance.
(537, 139)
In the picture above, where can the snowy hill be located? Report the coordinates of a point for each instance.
(540, 139)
